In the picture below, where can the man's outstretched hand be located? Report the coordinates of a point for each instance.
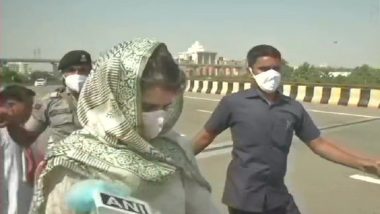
(371, 167)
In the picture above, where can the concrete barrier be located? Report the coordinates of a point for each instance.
(361, 97)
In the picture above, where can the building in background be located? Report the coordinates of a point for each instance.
(197, 61)
(19, 67)
(196, 54)
(343, 73)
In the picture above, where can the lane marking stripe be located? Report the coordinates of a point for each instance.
(365, 178)
(341, 113)
(319, 111)
(204, 111)
(213, 153)
(200, 98)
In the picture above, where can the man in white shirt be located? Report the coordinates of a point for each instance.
(16, 106)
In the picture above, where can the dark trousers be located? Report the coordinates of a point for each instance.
(289, 208)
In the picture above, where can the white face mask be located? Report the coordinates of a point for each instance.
(75, 82)
(268, 81)
(153, 123)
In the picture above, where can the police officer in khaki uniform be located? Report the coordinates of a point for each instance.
(58, 112)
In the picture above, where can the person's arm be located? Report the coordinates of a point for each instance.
(307, 131)
(202, 140)
(218, 122)
(343, 156)
(28, 134)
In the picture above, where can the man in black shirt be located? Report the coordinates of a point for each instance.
(262, 121)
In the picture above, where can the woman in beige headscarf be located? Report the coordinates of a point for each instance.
(128, 107)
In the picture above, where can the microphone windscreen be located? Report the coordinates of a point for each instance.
(81, 197)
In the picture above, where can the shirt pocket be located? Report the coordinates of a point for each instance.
(282, 133)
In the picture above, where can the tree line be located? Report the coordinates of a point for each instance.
(8, 76)
(362, 75)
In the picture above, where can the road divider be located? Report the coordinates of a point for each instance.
(345, 96)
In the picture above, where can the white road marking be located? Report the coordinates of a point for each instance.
(204, 111)
(221, 151)
(200, 98)
(221, 144)
(318, 111)
(341, 113)
(365, 178)
(214, 153)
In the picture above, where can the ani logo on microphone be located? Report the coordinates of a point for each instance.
(111, 204)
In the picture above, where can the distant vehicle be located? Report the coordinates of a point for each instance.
(40, 82)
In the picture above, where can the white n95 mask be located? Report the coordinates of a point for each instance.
(153, 123)
(268, 81)
(75, 82)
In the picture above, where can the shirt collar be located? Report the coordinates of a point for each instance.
(255, 93)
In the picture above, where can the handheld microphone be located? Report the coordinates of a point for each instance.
(100, 197)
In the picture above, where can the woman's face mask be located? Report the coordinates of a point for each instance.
(153, 123)
(154, 104)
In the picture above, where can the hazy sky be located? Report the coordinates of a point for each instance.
(303, 30)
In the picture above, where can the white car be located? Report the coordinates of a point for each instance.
(40, 82)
